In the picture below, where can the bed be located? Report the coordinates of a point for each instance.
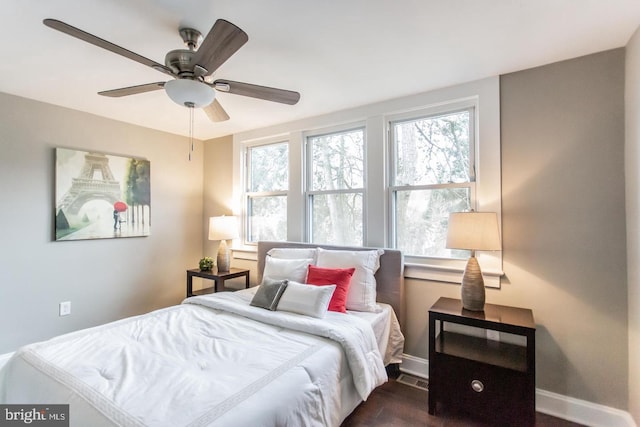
(218, 360)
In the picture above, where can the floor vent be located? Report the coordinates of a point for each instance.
(412, 381)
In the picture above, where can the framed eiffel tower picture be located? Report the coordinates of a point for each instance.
(101, 196)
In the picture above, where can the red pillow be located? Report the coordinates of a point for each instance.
(341, 277)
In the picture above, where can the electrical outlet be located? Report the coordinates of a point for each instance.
(65, 308)
(493, 335)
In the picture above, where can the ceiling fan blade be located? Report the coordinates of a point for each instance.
(90, 38)
(132, 90)
(262, 92)
(223, 40)
(215, 112)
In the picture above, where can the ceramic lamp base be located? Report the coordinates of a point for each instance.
(224, 257)
(472, 292)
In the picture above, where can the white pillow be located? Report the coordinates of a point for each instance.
(305, 299)
(362, 290)
(289, 269)
(294, 253)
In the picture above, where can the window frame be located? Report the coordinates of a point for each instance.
(249, 195)
(487, 189)
(392, 189)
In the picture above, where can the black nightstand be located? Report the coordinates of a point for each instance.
(494, 380)
(218, 278)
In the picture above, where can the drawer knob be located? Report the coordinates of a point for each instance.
(477, 386)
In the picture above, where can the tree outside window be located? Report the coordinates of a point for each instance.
(335, 189)
(432, 175)
(268, 184)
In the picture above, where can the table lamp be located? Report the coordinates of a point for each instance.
(473, 231)
(222, 228)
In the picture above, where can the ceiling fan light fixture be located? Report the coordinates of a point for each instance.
(189, 93)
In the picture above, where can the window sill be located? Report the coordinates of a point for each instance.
(441, 273)
(249, 253)
(437, 273)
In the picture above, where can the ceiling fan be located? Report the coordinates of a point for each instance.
(192, 85)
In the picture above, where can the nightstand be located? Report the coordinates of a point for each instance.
(218, 278)
(487, 378)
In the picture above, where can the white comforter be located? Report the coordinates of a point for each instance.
(353, 334)
(192, 365)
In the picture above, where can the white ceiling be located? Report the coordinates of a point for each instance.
(337, 54)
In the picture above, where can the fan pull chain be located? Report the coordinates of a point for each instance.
(190, 106)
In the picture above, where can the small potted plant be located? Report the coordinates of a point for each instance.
(206, 264)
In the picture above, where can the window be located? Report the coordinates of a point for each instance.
(432, 174)
(267, 187)
(387, 175)
(335, 187)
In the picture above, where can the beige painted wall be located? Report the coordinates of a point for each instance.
(219, 200)
(104, 279)
(564, 221)
(632, 180)
(218, 185)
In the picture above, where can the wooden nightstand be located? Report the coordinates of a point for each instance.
(491, 379)
(218, 278)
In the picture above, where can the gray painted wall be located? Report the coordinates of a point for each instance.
(632, 180)
(564, 221)
(104, 279)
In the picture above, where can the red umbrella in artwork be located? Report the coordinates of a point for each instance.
(120, 206)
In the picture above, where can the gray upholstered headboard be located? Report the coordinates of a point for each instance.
(389, 277)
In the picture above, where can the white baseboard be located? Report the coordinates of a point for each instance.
(415, 366)
(581, 411)
(565, 407)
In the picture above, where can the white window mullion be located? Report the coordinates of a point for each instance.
(296, 200)
(375, 211)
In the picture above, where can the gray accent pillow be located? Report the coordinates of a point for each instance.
(269, 293)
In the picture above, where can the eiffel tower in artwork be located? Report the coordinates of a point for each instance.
(95, 182)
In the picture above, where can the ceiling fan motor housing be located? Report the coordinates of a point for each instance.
(179, 61)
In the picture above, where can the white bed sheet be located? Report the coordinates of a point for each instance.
(386, 328)
(189, 365)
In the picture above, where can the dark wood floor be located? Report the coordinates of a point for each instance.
(396, 404)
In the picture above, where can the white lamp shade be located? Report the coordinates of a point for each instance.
(223, 228)
(186, 92)
(473, 230)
